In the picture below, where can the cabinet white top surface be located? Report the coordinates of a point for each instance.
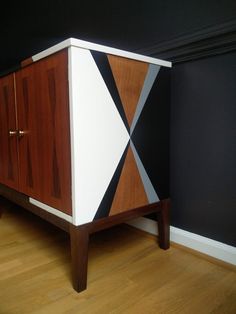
(91, 46)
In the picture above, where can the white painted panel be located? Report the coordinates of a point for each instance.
(73, 99)
(98, 135)
(91, 46)
(51, 210)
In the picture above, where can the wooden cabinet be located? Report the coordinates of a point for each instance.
(84, 141)
(34, 138)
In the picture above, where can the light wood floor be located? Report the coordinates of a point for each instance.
(127, 273)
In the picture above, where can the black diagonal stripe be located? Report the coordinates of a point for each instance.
(104, 67)
(105, 205)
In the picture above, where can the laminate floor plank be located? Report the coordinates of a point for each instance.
(127, 273)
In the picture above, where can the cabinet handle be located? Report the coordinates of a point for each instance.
(21, 133)
(12, 133)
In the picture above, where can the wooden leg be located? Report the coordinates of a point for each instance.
(79, 238)
(164, 224)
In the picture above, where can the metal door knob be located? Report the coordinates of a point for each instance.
(12, 133)
(21, 133)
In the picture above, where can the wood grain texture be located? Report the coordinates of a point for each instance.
(119, 218)
(163, 220)
(29, 149)
(129, 76)
(127, 273)
(43, 113)
(8, 122)
(53, 123)
(130, 191)
(79, 239)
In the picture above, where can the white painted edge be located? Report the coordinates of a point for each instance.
(91, 46)
(50, 210)
(72, 136)
(191, 240)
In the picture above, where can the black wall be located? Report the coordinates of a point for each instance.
(26, 27)
(203, 147)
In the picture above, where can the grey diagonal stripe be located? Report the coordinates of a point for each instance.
(147, 85)
(149, 189)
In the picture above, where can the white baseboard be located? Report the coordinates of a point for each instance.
(194, 241)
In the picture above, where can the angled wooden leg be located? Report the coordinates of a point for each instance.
(79, 238)
(164, 224)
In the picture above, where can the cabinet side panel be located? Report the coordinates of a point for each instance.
(129, 76)
(8, 135)
(99, 137)
(117, 108)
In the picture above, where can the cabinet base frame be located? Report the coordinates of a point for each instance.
(79, 235)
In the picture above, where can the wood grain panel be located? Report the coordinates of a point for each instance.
(130, 192)
(129, 76)
(29, 150)
(8, 144)
(53, 121)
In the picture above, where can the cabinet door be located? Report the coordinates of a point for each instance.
(54, 131)
(29, 163)
(8, 134)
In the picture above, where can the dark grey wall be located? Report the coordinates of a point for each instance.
(27, 27)
(203, 147)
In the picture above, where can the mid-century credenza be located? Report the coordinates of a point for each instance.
(84, 141)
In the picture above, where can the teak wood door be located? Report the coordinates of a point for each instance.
(8, 133)
(35, 132)
(28, 132)
(54, 130)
